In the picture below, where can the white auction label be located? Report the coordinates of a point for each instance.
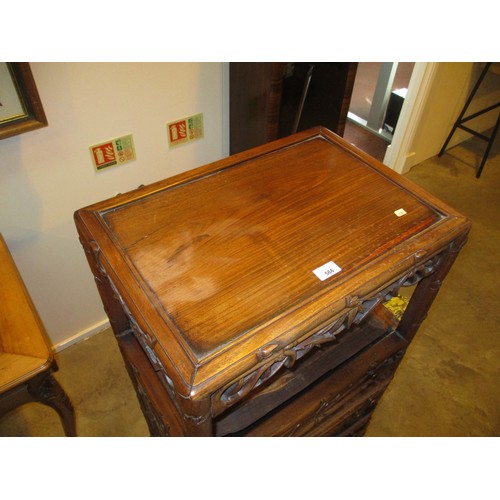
(400, 212)
(326, 270)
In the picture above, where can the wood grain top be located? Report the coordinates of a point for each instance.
(225, 254)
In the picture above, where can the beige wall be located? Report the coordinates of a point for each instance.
(46, 174)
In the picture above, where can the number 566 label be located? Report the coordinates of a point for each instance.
(327, 270)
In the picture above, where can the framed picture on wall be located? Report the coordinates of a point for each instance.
(20, 106)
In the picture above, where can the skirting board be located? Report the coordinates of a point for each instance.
(83, 335)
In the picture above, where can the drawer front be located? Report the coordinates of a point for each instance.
(336, 402)
(302, 375)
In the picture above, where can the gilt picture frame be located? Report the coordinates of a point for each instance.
(21, 109)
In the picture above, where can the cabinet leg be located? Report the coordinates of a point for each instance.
(197, 418)
(426, 292)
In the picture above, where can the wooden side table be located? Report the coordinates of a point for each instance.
(26, 360)
(247, 295)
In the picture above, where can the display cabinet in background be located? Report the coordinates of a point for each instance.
(269, 101)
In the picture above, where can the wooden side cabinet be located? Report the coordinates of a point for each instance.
(247, 296)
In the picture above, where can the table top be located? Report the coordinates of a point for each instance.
(224, 259)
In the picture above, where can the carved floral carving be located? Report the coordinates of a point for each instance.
(286, 356)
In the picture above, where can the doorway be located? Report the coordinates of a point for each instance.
(377, 98)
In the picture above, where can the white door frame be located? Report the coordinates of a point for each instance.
(419, 86)
(381, 95)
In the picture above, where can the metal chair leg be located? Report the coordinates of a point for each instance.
(462, 119)
(488, 149)
(464, 109)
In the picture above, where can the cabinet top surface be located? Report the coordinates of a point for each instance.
(222, 251)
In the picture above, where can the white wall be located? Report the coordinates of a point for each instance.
(47, 174)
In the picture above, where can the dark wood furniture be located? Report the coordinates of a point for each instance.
(254, 104)
(247, 295)
(26, 360)
(272, 100)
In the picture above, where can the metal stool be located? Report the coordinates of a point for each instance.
(462, 119)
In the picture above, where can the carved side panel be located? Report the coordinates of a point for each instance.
(111, 306)
(123, 323)
(431, 278)
(280, 356)
(156, 424)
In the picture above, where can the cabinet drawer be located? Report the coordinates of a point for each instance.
(305, 373)
(340, 398)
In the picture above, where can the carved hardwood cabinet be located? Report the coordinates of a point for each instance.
(247, 296)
